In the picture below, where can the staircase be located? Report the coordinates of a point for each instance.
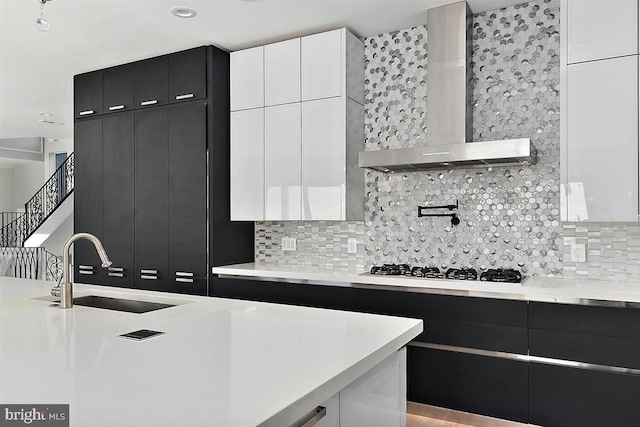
(44, 212)
(44, 204)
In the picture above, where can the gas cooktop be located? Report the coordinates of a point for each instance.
(505, 275)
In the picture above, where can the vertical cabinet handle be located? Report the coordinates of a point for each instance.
(116, 107)
(312, 418)
(86, 112)
(185, 96)
(150, 102)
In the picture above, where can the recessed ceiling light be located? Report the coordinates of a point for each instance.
(183, 12)
(46, 114)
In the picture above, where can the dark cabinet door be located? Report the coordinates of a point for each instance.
(87, 94)
(253, 290)
(118, 88)
(151, 82)
(87, 216)
(151, 198)
(479, 384)
(563, 396)
(118, 197)
(488, 324)
(187, 75)
(187, 192)
(334, 297)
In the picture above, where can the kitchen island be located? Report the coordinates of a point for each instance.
(220, 362)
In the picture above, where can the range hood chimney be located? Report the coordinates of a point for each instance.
(449, 119)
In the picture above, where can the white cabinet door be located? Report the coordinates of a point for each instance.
(247, 165)
(322, 68)
(323, 159)
(247, 79)
(602, 140)
(379, 397)
(598, 29)
(282, 72)
(283, 180)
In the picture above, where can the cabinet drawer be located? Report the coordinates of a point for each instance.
(478, 384)
(318, 296)
(486, 324)
(608, 321)
(188, 75)
(247, 290)
(428, 306)
(598, 349)
(560, 396)
(510, 339)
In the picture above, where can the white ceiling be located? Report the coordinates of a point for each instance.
(36, 68)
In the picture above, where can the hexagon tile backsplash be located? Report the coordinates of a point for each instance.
(510, 216)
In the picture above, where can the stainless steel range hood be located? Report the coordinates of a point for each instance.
(449, 107)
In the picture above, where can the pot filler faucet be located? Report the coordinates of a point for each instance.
(64, 290)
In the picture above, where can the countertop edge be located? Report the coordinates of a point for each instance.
(533, 289)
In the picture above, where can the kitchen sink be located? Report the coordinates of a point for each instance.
(119, 304)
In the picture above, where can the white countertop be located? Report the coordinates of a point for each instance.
(221, 362)
(542, 289)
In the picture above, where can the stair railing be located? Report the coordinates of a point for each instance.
(49, 196)
(12, 229)
(30, 263)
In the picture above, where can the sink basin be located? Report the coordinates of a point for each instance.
(119, 304)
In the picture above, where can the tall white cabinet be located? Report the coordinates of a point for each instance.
(599, 110)
(304, 165)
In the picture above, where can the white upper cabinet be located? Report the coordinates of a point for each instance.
(602, 144)
(309, 136)
(282, 147)
(247, 165)
(599, 141)
(598, 29)
(282, 72)
(247, 79)
(323, 159)
(322, 65)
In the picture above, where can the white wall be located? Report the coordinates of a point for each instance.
(28, 179)
(7, 190)
(55, 242)
(50, 151)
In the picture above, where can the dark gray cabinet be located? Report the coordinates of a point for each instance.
(187, 192)
(483, 385)
(187, 75)
(157, 174)
(118, 88)
(254, 290)
(87, 94)
(151, 198)
(118, 198)
(151, 82)
(88, 199)
(482, 323)
(606, 337)
(562, 396)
